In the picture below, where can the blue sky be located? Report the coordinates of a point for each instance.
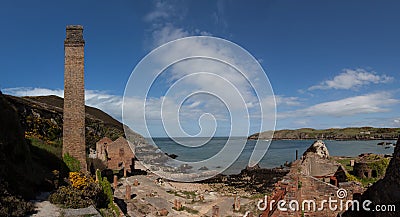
(330, 63)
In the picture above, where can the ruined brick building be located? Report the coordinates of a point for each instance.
(74, 95)
(115, 154)
(314, 177)
(101, 148)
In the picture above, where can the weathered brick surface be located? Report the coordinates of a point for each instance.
(299, 186)
(120, 155)
(101, 148)
(74, 95)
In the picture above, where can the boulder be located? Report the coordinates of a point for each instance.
(318, 148)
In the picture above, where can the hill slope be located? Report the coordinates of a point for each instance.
(42, 118)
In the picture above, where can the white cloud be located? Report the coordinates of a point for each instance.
(219, 15)
(161, 10)
(350, 78)
(289, 101)
(29, 91)
(168, 33)
(364, 104)
(164, 20)
(111, 104)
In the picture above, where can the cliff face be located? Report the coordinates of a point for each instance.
(385, 191)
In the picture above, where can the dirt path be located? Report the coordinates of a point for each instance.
(44, 208)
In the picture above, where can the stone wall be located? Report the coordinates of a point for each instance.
(74, 95)
(120, 155)
(298, 185)
(362, 170)
(101, 148)
(313, 165)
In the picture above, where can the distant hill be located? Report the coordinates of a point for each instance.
(351, 133)
(91, 112)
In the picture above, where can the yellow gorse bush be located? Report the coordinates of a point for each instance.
(79, 180)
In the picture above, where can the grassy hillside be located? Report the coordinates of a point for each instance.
(42, 119)
(93, 113)
(351, 133)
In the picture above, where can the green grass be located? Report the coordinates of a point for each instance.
(190, 210)
(346, 163)
(189, 194)
(56, 150)
(72, 163)
(183, 194)
(377, 163)
(366, 181)
(256, 196)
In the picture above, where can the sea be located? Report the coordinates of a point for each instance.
(279, 151)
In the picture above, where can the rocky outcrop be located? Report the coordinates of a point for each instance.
(384, 192)
(318, 148)
(316, 161)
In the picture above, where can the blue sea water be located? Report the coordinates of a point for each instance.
(277, 154)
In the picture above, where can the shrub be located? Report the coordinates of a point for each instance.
(79, 180)
(350, 178)
(82, 192)
(13, 206)
(72, 163)
(95, 164)
(106, 186)
(380, 166)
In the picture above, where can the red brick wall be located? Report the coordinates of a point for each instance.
(119, 152)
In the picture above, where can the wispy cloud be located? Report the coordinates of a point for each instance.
(166, 33)
(165, 19)
(364, 104)
(350, 79)
(219, 15)
(161, 10)
(289, 101)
